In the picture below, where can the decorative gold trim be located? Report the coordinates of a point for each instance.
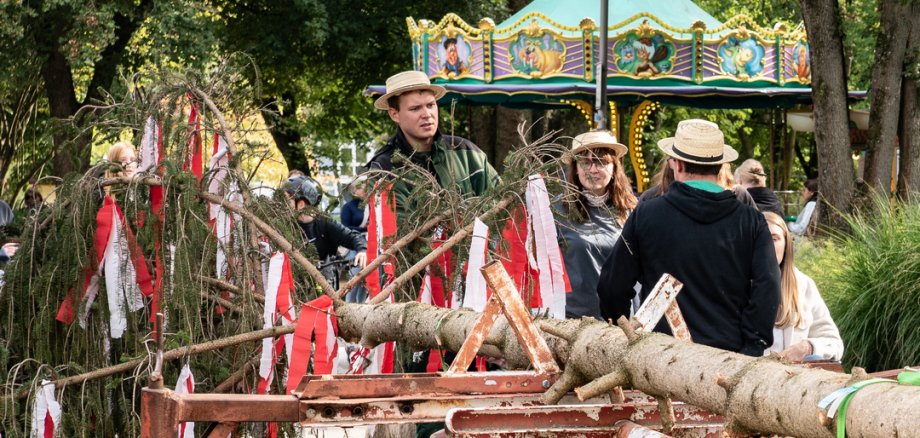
(640, 119)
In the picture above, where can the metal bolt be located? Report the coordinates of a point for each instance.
(546, 384)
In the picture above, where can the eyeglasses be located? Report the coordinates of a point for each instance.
(585, 162)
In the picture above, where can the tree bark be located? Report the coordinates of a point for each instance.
(829, 93)
(759, 395)
(908, 174)
(506, 129)
(282, 124)
(73, 148)
(886, 93)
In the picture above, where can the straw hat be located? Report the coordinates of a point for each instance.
(601, 139)
(700, 142)
(407, 81)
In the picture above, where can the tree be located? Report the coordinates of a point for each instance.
(829, 85)
(316, 57)
(890, 49)
(909, 175)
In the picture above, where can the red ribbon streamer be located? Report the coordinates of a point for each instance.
(311, 325)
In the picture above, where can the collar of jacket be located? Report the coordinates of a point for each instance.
(400, 142)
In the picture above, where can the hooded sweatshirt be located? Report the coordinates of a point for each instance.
(718, 248)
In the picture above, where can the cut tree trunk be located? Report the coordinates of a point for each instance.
(886, 93)
(829, 93)
(756, 394)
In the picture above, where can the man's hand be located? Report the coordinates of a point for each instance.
(796, 352)
(361, 259)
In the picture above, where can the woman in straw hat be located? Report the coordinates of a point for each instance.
(804, 328)
(599, 205)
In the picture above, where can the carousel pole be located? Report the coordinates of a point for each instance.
(601, 106)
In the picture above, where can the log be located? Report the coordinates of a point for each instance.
(756, 395)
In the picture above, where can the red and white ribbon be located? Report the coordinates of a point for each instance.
(317, 321)
(46, 412)
(185, 384)
(120, 277)
(549, 256)
(475, 294)
(279, 286)
(193, 154)
(381, 224)
(119, 258)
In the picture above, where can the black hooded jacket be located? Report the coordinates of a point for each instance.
(718, 248)
(766, 200)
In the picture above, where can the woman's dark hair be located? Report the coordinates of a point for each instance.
(619, 190)
(812, 186)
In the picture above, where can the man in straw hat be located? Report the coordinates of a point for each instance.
(699, 233)
(412, 103)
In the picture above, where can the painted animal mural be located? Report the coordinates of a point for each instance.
(742, 58)
(539, 55)
(643, 56)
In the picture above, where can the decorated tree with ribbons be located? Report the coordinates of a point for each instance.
(186, 236)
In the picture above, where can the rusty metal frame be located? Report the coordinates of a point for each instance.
(347, 400)
(588, 420)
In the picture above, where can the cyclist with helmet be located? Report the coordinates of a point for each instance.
(326, 235)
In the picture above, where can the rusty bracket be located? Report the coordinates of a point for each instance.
(505, 299)
(663, 302)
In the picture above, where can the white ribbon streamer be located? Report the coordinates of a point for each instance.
(474, 295)
(120, 279)
(150, 152)
(44, 406)
(186, 385)
(549, 258)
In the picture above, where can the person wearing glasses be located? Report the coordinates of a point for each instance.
(599, 201)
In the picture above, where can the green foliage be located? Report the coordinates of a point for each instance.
(57, 251)
(870, 279)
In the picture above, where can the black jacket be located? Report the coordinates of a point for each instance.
(766, 200)
(327, 235)
(720, 250)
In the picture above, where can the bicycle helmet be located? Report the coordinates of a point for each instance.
(304, 188)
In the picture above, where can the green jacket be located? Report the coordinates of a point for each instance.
(456, 162)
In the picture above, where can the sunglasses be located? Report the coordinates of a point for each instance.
(585, 162)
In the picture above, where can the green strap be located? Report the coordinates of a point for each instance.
(842, 411)
(909, 378)
(904, 378)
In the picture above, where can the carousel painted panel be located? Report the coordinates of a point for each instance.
(537, 53)
(643, 53)
(797, 62)
(455, 57)
(739, 56)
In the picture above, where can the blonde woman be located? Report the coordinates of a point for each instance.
(124, 155)
(600, 205)
(804, 328)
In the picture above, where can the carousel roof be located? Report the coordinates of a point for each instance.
(680, 13)
(668, 51)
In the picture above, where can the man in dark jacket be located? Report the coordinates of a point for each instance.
(325, 235)
(412, 103)
(699, 233)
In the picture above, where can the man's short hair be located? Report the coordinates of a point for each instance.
(450, 41)
(701, 169)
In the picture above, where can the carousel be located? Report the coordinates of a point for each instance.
(547, 56)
